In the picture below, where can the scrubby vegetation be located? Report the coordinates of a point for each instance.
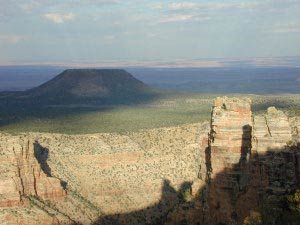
(166, 111)
(281, 209)
(253, 219)
(294, 201)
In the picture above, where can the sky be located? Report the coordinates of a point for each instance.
(90, 31)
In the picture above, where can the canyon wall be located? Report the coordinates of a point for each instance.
(249, 160)
(251, 166)
(25, 181)
(105, 174)
(211, 173)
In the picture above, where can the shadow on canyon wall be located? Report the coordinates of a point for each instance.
(253, 191)
(42, 154)
(154, 214)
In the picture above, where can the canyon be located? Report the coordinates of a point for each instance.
(220, 172)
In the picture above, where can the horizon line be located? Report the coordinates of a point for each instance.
(290, 61)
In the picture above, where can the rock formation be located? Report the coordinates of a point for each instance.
(230, 135)
(229, 148)
(24, 176)
(249, 168)
(248, 158)
(271, 131)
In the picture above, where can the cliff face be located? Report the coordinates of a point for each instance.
(230, 135)
(249, 160)
(271, 131)
(22, 175)
(229, 147)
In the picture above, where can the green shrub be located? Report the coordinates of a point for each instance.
(186, 195)
(294, 201)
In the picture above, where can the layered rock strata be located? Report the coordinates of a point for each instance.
(22, 176)
(230, 135)
(271, 131)
(248, 160)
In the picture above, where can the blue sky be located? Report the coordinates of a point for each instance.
(86, 31)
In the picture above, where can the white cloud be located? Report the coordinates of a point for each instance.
(157, 6)
(116, 23)
(102, 2)
(59, 17)
(286, 30)
(237, 5)
(11, 38)
(213, 5)
(289, 27)
(193, 11)
(183, 5)
(182, 18)
(29, 6)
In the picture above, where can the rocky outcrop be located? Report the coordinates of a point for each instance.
(23, 175)
(249, 160)
(229, 148)
(230, 135)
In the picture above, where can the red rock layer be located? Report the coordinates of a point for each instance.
(25, 177)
